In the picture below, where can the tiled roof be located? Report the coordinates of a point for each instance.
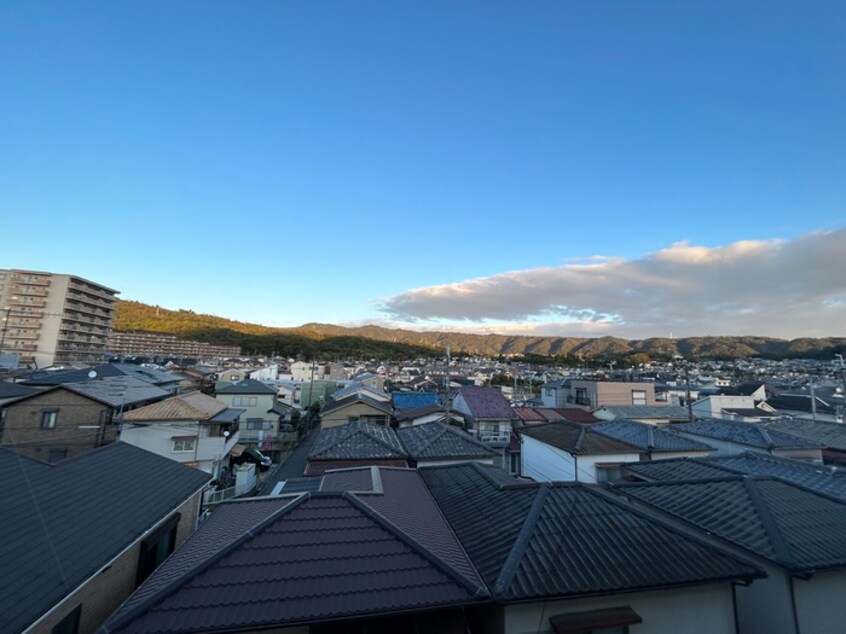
(357, 441)
(437, 441)
(535, 541)
(412, 400)
(486, 403)
(797, 529)
(281, 561)
(658, 412)
(359, 388)
(809, 475)
(15, 390)
(750, 434)
(192, 406)
(799, 403)
(577, 439)
(73, 517)
(417, 412)
(118, 390)
(575, 415)
(150, 375)
(356, 398)
(831, 435)
(528, 414)
(648, 437)
(247, 386)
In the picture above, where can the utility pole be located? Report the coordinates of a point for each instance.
(687, 392)
(446, 386)
(843, 381)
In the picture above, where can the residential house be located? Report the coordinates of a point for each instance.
(363, 389)
(591, 394)
(306, 371)
(571, 452)
(426, 414)
(732, 407)
(805, 407)
(80, 535)
(830, 436)
(652, 414)
(556, 393)
(356, 407)
(232, 375)
(488, 414)
(154, 376)
(368, 552)
(732, 437)
(539, 415)
(355, 444)
(67, 420)
(572, 558)
(654, 443)
(194, 429)
(435, 443)
(827, 480)
(794, 534)
(259, 422)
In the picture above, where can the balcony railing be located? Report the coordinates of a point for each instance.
(495, 440)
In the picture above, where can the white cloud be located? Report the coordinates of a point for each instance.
(776, 288)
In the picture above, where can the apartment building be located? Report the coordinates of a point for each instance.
(160, 344)
(51, 318)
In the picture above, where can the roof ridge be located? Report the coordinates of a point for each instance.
(776, 539)
(163, 592)
(518, 549)
(417, 547)
(441, 432)
(373, 437)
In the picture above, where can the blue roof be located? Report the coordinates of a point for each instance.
(413, 400)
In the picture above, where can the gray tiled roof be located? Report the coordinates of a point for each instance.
(356, 398)
(750, 434)
(659, 412)
(73, 517)
(357, 441)
(533, 541)
(832, 435)
(577, 439)
(119, 390)
(800, 403)
(247, 386)
(314, 557)
(797, 529)
(150, 375)
(810, 475)
(645, 437)
(437, 441)
(487, 403)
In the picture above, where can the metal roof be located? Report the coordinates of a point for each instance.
(660, 412)
(73, 517)
(534, 541)
(790, 526)
(486, 403)
(413, 400)
(356, 398)
(247, 386)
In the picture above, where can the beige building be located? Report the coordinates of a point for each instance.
(52, 319)
(142, 342)
(593, 394)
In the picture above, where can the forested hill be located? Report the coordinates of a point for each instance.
(373, 341)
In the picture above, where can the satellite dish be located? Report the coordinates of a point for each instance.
(92, 375)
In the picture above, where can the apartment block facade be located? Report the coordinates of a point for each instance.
(159, 344)
(51, 318)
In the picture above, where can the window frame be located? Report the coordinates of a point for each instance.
(49, 418)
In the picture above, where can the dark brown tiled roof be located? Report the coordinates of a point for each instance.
(314, 558)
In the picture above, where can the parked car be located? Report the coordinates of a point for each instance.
(253, 456)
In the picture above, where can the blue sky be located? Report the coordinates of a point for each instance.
(435, 164)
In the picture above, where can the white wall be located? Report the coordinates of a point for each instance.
(706, 609)
(545, 463)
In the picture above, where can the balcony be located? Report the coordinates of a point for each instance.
(26, 302)
(18, 289)
(495, 440)
(18, 278)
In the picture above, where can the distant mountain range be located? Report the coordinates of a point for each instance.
(313, 340)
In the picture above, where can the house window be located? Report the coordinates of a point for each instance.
(181, 445)
(48, 418)
(156, 548)
(244, 401)
(69, 624)
(258, 423)
(581, 396)
(609, 472)
(638, 397)
(514, 463)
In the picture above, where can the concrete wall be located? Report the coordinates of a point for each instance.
(103, 593)
(820, 602)
(706, 609)
(77, 425)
